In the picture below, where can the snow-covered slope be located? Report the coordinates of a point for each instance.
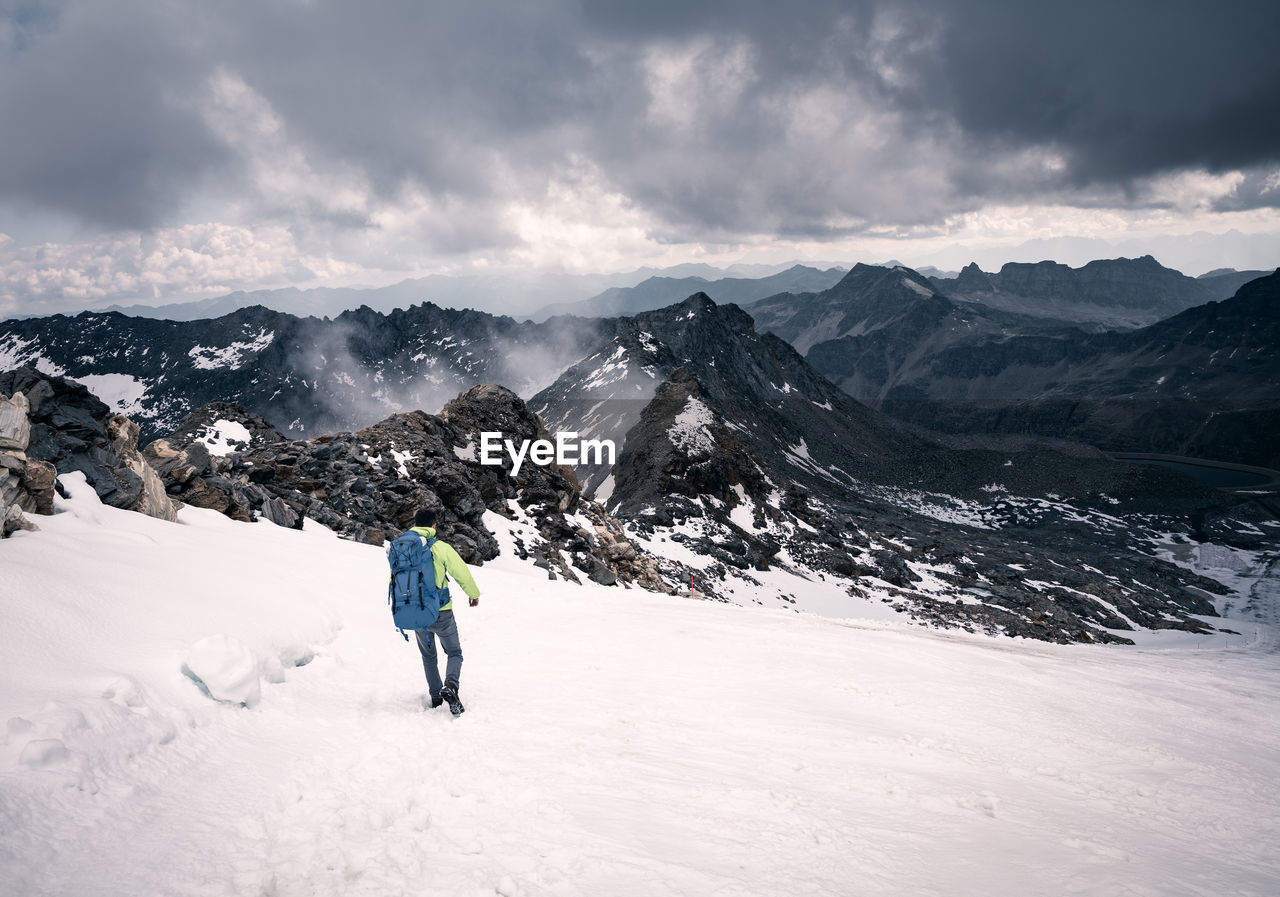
(616, 742)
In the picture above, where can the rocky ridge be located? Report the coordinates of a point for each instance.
(745, 460)
(367, 485)
(310, 375)
(1103, 294)
(1200, 383)
(1057, 569)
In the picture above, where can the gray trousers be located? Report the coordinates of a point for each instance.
(447, 629)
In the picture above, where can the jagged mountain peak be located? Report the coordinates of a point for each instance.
(605, 394)
(869, 298)
(697, 312)
(972, 279)
(862, 275)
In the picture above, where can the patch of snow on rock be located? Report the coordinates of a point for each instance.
(923, 291)
(207, 358)
(219, 438)
(689, 430)
(121, 391)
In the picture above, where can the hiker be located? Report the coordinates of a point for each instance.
(448, 562)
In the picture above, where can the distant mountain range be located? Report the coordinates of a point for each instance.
(656, 292)
(1200, 383)
(885, 335)
(515, 293)
(1107, 293)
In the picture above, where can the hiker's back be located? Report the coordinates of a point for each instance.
(413, 594)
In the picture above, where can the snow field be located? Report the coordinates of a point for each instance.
(615, 742)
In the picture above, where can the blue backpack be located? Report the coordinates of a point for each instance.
(413, 595)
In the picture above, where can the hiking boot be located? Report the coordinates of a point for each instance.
(436, 701)
(450, 694)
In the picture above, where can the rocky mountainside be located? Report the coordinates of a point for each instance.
(307, 375)
(742, 469)
(1201, 383)
(1104, 294)
(658, 291)
(741, 460)
(897, 308)
(367, 485)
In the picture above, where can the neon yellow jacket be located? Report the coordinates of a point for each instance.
(447, 561)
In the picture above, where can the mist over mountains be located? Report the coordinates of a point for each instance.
(307, 375)
(655, 292)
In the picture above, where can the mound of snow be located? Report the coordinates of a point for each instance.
(226, 669)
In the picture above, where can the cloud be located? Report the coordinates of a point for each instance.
(1122, 90)
(189, 261)
(95, 120)
(402, 137)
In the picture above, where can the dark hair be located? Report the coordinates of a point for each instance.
(425, 517)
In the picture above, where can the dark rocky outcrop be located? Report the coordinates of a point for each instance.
(26, 485)
(367, 485)
(68, 429)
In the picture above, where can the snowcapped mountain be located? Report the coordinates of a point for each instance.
(736, 459)
(306, 375)
(740, 460)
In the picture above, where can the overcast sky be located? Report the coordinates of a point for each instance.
(162, 150)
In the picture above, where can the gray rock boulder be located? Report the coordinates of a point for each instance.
(26, 485)
(15, 428)
(67, 428)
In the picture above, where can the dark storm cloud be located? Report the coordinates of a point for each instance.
(1125, 89)
(472, 102)
(93, 114)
